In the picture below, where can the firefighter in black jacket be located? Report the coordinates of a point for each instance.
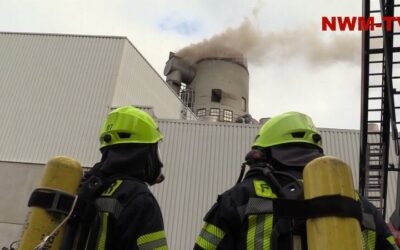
(127, 214)
(243, 217)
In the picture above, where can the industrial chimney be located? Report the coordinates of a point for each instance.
(219, 85)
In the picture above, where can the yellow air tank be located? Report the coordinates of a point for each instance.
(61, 174)
(328, 176)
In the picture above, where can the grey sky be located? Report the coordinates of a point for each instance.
(295, 74)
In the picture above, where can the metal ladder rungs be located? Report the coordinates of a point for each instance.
(375, 167)
(377, 61)
(377, 150)
(375, 177)
(375, 51)
(375, 154)
(375, 37)
(376, 198)
(375, 110)
(374, 133)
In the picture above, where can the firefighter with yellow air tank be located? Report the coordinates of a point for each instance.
(114, 208)
(273, 208)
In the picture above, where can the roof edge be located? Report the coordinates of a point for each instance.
(339, 130)
(233, 124)
(61, 34)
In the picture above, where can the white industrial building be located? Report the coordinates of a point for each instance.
(55, 93)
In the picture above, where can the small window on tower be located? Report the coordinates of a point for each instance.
(244, 104)
(201, 112)
(227, 116)
(216, 95)
(214, 112)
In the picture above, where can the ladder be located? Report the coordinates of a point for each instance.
(378, 116)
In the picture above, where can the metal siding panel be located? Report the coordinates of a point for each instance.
(139, 84)
(55, 94)
(17, 182)
(9, 233)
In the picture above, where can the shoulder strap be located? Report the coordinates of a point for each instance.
(368, 220)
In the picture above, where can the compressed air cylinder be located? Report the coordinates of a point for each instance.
(63, 174)
(328, 176)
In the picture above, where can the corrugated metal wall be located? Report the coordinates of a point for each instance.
(201, 160)
(17, 182)
(139, 84)
(55, 92)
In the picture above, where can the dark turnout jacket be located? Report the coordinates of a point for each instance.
(127, 214)
(128, 218)
(242, 218)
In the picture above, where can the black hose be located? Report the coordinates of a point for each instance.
(242, 170)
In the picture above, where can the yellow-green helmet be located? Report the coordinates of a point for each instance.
(290, 127)
(129, 125)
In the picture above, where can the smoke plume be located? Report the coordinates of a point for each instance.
(275, 47)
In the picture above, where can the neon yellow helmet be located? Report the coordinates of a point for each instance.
(129, 125)
(290, 127)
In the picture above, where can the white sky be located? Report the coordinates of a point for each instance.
(327, 91)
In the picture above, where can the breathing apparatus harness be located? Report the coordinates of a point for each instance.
(290, 210)
(256, 160)
(78, 226)
(81, 210)
(91, 189)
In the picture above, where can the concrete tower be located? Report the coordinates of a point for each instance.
(215, 88)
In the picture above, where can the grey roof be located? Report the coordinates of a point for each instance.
(57, 89)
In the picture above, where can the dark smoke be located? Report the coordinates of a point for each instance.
(275, 47)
